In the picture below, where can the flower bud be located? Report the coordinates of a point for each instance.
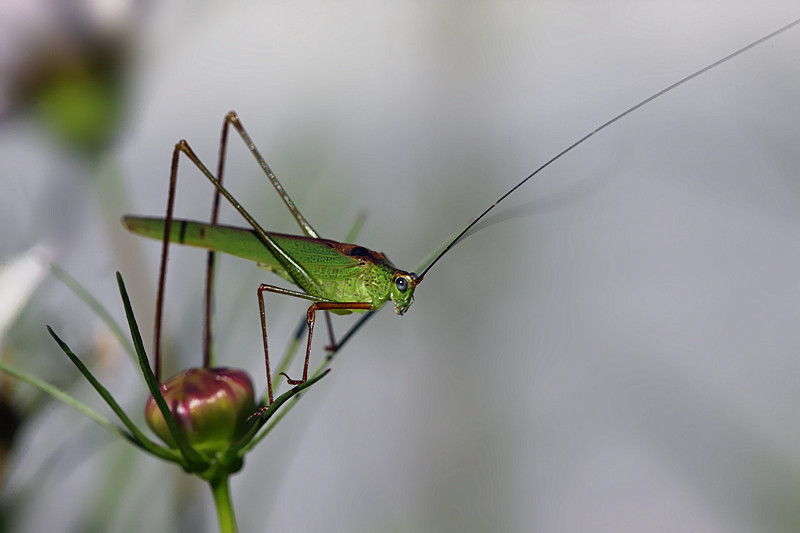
(210, 407)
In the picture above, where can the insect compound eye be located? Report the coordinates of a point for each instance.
(401, 284)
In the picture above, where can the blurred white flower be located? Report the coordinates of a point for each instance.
(19, 277)
(66, 62)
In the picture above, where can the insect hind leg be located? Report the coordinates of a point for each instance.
(232, 119)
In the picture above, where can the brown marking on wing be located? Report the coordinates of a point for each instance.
(358, 251)
(354, 250)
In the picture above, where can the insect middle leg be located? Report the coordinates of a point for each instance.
(332, 344)
(310, 319)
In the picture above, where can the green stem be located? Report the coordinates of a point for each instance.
(222, 500)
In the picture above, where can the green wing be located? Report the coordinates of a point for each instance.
(318, 256)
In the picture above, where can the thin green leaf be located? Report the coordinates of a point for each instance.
(95, 306)
(247, 442)
(194, 459)
(347, 336)
(140, 437)
(317, 373)
(352, 235)
(63, 396)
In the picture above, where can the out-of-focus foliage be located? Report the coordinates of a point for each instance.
(68, 69)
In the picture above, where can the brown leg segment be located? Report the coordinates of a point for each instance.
(182, 146)
(211, 255)
(311, 318)
(261, 290)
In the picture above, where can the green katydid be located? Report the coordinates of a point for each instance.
(338, 277)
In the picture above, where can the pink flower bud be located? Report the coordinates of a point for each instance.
(210, 407)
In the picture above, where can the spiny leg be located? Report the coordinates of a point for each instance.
(298, 273)
(300, 276)
(233, 119)
(262, 312)
(262, 309)
(288, 262)
(311, 319)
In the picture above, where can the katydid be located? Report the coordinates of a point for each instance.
(338, 277)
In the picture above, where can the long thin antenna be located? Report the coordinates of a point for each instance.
(602, 127)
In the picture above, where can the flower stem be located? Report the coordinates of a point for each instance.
(222, 500)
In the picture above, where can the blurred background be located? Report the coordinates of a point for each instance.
(616, 351)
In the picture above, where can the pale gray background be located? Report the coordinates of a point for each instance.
(621, 355)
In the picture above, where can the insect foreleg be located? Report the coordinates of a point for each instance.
(311, 318)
